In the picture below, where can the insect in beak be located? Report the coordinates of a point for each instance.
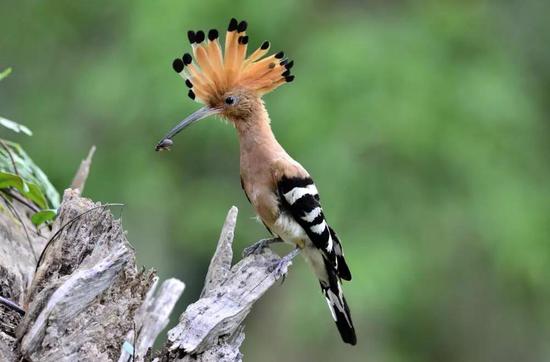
(166, 142)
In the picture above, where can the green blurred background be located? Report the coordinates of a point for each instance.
(424, 124)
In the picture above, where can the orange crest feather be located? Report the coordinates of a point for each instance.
(213, 73)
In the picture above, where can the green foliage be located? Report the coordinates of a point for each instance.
(5, 73)
(35, 189)
(29, 190)
(16, 127)
(43, 216)
(19, 171)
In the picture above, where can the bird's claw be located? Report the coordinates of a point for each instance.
(280, 266)
(258, 247)
(254, 249)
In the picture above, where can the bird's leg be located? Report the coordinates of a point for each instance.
(259, 245)
(281, 266)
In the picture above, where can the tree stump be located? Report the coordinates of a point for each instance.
(84, 299)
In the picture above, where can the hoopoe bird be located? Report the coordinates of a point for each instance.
(231, 85)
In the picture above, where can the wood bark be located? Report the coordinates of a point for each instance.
(84, 298)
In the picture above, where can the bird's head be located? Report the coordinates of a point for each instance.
(227, 83)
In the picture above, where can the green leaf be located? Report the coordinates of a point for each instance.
(14, 126)
(36, 185)
(35, 194)
(42, 216)
(5, 73)
(27, 189)
(11, 180)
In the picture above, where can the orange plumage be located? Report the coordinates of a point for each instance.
(214, 72)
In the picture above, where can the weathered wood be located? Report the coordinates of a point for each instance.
(220, 265)
(211, 328)
(17, 264)
(86, 289)
(152, 317)
(87, 301)
(79, 180)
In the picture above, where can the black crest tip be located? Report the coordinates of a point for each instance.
(242, 26)
(191, 94)
(280, 55)
(199, 36)
(233, 24)
(188, 83)
(283, 62)
(289, 78)
(286, 73)
(187, 58)
(265, 45)
(290, 64)
(178, 65)
(243, 39)
(191, 36)
(213, 34)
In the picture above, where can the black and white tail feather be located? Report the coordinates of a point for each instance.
(299, 196)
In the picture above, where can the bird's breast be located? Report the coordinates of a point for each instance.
(264, 200)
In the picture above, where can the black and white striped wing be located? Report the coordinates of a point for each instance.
(300, 197)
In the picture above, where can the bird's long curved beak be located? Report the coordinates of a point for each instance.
(201, 113)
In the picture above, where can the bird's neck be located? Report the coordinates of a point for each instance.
(258, 146)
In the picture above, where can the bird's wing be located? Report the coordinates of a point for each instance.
(300, 197)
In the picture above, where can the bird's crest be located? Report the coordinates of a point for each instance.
(214, 72)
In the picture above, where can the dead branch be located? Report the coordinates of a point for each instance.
(211, 329)
(79, 180)
(87, 300)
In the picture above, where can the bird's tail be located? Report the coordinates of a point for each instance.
(332, 289)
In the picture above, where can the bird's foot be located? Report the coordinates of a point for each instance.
(259, 246)
(280, 267)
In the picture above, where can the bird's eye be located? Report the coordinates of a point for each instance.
(230, 100)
